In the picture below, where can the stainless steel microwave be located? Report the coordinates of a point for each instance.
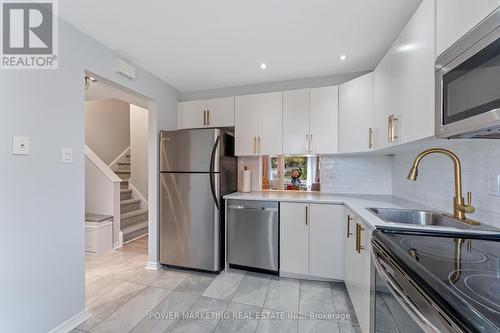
(468, 84)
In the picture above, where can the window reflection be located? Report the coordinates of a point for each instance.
(294, 173)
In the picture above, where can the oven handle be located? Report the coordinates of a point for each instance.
(399, 294)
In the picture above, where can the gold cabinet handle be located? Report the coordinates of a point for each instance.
(208, 117)
(349, 219)
(307, 142)
(359, 229)
(310, 143)
(370, 138)
(255, 145)
(307, 218)
(391, 129)
(204, 118)
(258, 144)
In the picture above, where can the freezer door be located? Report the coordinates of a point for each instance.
(189, 221)
(189, 150)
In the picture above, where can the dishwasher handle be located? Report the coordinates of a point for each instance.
(268, 209)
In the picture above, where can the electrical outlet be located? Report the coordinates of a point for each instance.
(494, 185)
(21, 145)
(66, 155)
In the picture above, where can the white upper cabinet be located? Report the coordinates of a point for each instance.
(356, 114)
(192, 114)
(324, 120)
(456, 17)
(258, 124)
(404, 83)
(220, 112)
(296, 122)
(217, 112)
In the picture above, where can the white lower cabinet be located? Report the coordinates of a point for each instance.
(358, 268)
(311, 240)
(294, 238)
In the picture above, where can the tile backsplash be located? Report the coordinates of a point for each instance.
(356, 174)
(434, 186)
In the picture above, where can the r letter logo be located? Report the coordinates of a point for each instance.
(29, 35)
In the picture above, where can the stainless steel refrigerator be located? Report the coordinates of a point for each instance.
(197, 167)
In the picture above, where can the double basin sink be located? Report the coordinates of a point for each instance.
(423, 218)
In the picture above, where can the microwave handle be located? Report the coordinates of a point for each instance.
(405, 302)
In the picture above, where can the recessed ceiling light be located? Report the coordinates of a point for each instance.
(263, 66)
(343, 57)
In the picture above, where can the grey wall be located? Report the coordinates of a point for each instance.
(434, 186)
(139, 149)
(43, 200)
(321, 81)
(107, 128)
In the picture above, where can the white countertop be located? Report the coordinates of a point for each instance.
(355, 202)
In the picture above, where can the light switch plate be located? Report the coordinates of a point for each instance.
(67, 155)
(21, 145)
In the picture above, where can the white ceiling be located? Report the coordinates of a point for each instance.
(203, 44)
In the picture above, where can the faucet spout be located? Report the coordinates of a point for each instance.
(459, 207)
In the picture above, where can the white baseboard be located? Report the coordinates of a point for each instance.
(72, 322)
(138, 195)
(153, 266)
(118, 244)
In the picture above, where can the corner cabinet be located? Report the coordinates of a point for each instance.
(312, 240)
(358, 268)
(258, 124)
(454, 18)
(404, 83)
(217, 112)
(356, 114)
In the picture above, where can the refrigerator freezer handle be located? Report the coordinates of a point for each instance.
(212, 174)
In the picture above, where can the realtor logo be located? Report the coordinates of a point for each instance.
(29, 35)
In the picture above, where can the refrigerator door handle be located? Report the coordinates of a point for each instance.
(212, 174)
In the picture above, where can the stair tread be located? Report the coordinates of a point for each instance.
(126, 190)
(134, 227)
(122, 171)
(129, 201)
(133, 213)
(123, 163)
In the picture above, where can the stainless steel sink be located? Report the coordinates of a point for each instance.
(418, 217)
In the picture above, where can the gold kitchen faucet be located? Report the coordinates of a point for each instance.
(459, 207)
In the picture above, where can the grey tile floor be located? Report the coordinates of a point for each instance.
(124, 297)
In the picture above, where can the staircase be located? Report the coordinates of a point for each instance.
(133, 218)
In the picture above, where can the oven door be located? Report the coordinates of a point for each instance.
(400, 305)
(468, 84)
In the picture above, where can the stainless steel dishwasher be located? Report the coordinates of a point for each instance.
(253, 235)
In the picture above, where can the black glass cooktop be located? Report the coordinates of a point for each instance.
(461, 271)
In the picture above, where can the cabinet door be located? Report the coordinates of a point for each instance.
(192, 114)
(246, 125)
(269, 109)
(294, 238)
(326, 241)
(404, 81)
(350, 258)
(364, 280)
(220, 112)
(454, 18)
(324, 120)
(296, 122)
(356, 114)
